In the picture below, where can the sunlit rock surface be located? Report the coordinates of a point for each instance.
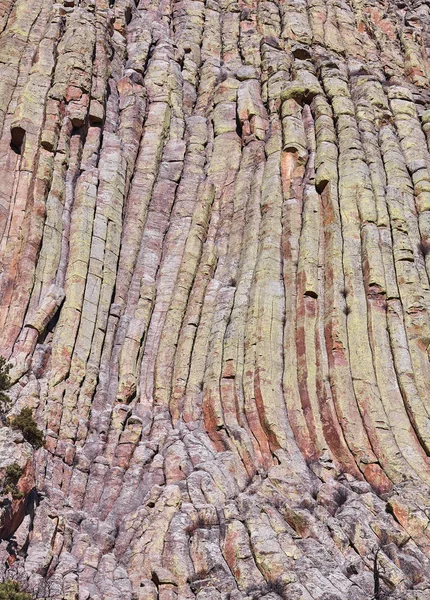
(214, 293)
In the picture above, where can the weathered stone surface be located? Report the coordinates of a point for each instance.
(215, 296)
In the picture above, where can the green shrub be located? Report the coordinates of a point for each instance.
(13, 473)
(24, 421)
(4, 385)
(16, 493)
(11, 590)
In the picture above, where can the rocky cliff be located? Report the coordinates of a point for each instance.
(214, 295)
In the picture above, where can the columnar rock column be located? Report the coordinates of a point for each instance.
(214, 294)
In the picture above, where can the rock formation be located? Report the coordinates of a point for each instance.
(214, 295)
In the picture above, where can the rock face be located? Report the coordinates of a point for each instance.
(214, 293)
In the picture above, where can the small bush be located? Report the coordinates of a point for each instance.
(16, 493)
(11, 590)
(25, 422)
(347, 310)
(13, 473)
(4, 385)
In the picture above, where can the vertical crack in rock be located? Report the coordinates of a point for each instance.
(214, 297)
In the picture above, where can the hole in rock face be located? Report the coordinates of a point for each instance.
(321, 185)
(127, 15)
(301, 53)
(238, 127)
(17, 139)
(155, 579)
